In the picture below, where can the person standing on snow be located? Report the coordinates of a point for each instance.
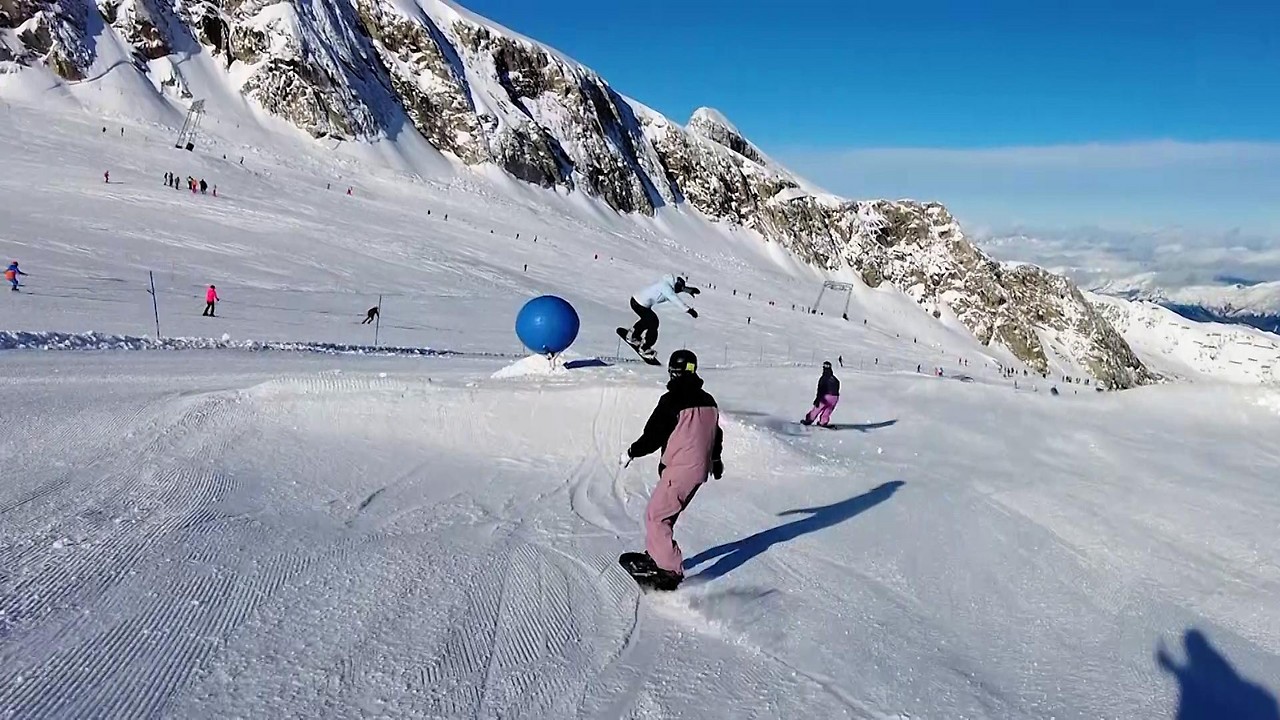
(685, 425)
(828, 396)
(644, 334)
(210, 298)
(11, 274)
(370, 315)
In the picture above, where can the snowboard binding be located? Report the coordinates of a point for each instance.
(648, 575)
(649, 356)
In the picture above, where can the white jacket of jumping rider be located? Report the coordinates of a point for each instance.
(660, 292)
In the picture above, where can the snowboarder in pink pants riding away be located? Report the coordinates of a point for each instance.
(686, 427)
(828, 396)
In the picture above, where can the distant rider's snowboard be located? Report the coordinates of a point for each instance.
(828, 426)
(641, 568)
(649, 357)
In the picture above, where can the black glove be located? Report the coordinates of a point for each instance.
(694, 313)
(692, 290)
(717, 469)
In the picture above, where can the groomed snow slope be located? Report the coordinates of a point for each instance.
(225, 533)
(204, 534)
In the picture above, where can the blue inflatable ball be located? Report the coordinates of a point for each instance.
(547, 324)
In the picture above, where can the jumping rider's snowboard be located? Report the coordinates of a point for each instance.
(641, 568)
(649, 357)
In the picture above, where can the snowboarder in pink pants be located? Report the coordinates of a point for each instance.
(686, 426)
(826, 400)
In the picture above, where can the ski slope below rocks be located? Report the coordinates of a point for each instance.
(296, 262)
(203, 534)
(266, 521)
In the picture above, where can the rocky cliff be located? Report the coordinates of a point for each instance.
(365, 69)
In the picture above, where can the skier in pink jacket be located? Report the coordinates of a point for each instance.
(686, 427)
(210, 298)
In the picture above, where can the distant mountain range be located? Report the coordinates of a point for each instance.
(1256, 304)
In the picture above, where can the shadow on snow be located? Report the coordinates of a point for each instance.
(735, 554)
(1210, 689)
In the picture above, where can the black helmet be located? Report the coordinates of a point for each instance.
(826, 364)
(682, 362)
(679, 284)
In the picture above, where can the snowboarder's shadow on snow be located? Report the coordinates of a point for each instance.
(1209, 688)
(733, 555)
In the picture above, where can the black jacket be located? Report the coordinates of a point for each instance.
(828, 384)
(683, 393)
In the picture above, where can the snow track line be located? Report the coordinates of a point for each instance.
(464, 654)
(588, 497)
(522, 645)
(627, 668)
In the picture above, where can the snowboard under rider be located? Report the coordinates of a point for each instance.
(644, 334)
(685, 425)
(827, 398)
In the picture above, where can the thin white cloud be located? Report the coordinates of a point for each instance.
(1171, 260)
(1210, 187)
(1088, 156)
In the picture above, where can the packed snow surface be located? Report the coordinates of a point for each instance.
(283, 512)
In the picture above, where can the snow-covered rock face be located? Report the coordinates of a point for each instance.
(1180, 347)
(366, 69)
(921, 249)
(712, 125)
(53, 32)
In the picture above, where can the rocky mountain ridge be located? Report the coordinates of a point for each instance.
(368, 69)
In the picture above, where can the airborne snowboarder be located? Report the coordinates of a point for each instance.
(685, 425)
(644, 334)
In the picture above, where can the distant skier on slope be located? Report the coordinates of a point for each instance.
(685, 425)
(210, 299)
(827, 398)
(644, 334)
(11, 274)
(370, 315)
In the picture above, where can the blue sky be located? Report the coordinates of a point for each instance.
(1175, 103)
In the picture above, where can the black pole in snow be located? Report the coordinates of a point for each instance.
(377, 323)
(155, 307)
